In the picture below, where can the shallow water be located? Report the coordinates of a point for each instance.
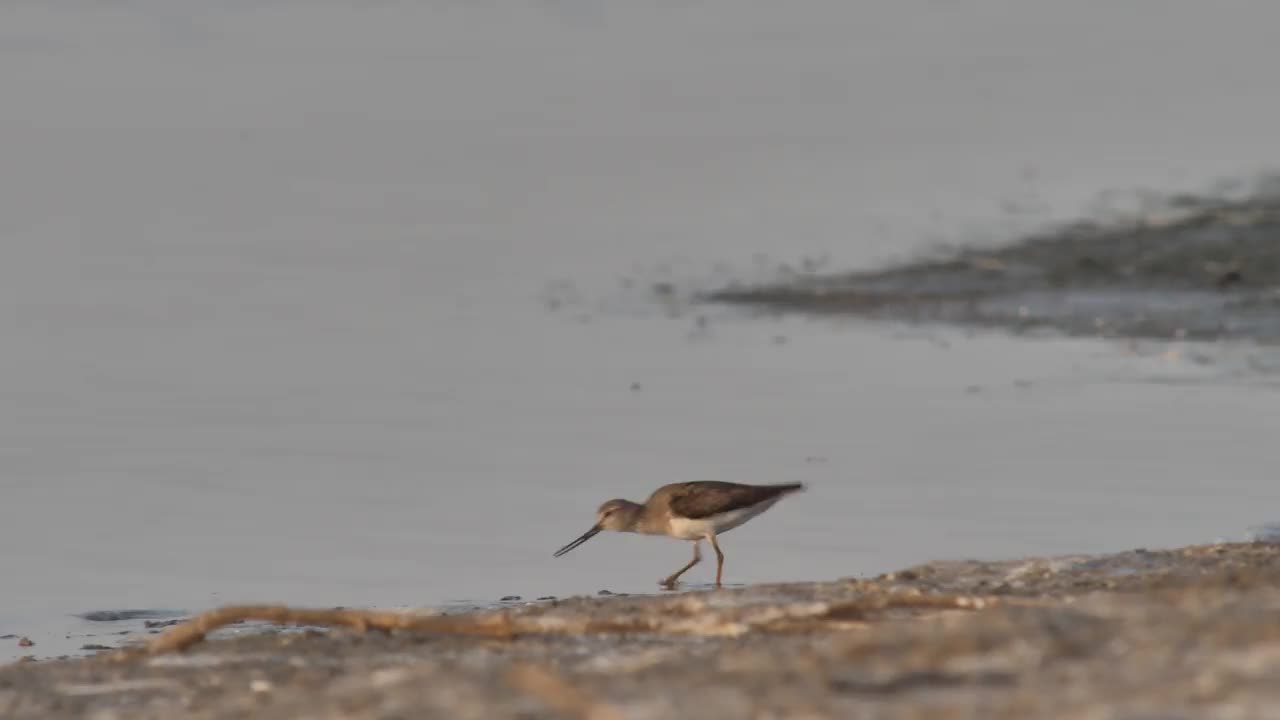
(349, 304)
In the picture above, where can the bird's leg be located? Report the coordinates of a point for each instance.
(670, 583)
(719, 558)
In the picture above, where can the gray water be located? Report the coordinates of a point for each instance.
(346, 303)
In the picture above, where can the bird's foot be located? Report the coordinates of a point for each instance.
(668, 584)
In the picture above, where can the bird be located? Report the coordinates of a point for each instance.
(697, 511)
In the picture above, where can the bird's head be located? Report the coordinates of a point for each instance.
(617, 515)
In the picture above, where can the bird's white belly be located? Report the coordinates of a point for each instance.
(690, 529)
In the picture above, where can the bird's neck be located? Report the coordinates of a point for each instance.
(647, 523)
(636, 521)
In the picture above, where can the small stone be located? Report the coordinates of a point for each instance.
(509, 598)
(604, 592)
(260, 686)
(119, 615)
(95, 646)
(25, 642)
(1229, 278)
(547, 597)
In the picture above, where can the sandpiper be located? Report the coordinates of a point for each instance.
(694, 511)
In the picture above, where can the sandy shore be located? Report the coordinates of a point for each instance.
(1192, 632)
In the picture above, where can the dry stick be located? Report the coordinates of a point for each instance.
(193, 631)
(504, 626)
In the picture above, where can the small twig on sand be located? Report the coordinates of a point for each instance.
(193, 631)
(502, 625)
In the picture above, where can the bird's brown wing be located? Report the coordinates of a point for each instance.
(702, 499)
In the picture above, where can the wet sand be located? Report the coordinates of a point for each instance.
(1189, 632)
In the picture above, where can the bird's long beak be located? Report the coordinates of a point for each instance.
(585, 537)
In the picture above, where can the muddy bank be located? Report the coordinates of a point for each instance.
(1195, 268)
(1193, 632)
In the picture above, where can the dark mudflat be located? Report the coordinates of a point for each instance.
(1198, 268)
